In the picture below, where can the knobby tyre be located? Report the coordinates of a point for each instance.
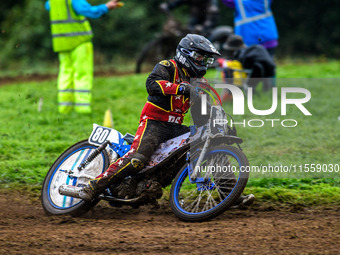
(161, 48)
(204, 200)
(146, 53)
(54, 203)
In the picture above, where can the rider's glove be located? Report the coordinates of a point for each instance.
(187, 90)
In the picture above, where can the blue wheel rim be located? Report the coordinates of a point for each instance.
(184, 174)
(74, 181)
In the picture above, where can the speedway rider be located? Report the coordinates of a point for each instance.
(169, 99)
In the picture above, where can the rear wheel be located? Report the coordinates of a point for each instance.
(161, 48)
(54, 203)
(221, 180)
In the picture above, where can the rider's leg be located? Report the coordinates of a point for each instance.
(149, 135)
(132, 162)
(117, 171)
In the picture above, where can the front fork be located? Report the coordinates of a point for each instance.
(196, 167)
(202, 183)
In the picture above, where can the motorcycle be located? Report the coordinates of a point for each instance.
(206, 173)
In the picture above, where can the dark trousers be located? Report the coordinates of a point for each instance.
(150, 134)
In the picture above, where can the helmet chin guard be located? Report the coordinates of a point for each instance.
(195, 53)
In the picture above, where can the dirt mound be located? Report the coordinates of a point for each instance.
(25, 229)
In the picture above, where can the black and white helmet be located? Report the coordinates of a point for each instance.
(195, 53)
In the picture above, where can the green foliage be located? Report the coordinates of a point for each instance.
(116, 33)
(24, 34)
(308, 27)
(8, 5)
(305, 28)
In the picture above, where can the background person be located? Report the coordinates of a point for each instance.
(71, 39)
(254, 58)
(254, 21)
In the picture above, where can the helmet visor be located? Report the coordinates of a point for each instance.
(202, 60)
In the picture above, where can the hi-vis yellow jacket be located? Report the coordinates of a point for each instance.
(68, 29)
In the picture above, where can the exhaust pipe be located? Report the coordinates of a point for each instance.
(69, 190)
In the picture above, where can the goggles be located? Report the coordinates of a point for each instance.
(200, 59)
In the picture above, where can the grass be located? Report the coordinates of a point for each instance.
(315, 68)
(305, 192)
(15, 69)
(31, 140)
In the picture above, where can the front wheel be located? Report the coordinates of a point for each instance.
(222, 177)
(54, 203)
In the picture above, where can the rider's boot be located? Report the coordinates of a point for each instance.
(112, 175)
(91, 190)
(87, 194)
(244, 201)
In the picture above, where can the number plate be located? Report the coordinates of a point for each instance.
(99, 135)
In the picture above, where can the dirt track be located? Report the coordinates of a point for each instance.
(24, 229)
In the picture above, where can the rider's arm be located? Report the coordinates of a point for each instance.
(47, 5)
(82, 7)
(159, 81)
